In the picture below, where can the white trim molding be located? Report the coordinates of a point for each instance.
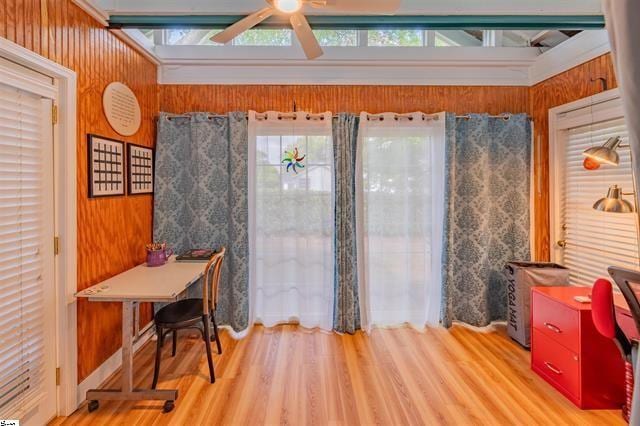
(65, 214)
(381, 74)
(577, 50)
(346, 65)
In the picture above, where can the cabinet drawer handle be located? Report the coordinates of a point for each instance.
(552, 327)
(552, 368)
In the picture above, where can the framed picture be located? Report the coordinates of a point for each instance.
(140, 169)
(106, 166)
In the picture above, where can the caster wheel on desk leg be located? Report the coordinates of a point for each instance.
(93, 406)
(168, 406)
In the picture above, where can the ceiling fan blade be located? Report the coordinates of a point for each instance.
(364, 6)
(243, 25)
(304, 33)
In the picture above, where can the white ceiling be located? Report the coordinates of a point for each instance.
(409, 7)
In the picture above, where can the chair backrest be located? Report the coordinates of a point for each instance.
(602, 308)
(628, 281)
(212, 281)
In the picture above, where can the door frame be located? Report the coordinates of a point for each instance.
(603, 106)
(65, 188)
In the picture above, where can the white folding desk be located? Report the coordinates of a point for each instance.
(140, 284)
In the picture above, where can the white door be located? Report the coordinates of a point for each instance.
(585, 240)
(27, 287)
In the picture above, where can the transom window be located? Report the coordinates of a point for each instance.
(368, 38)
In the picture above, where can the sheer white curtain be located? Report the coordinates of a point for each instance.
(400, 207)
(291, 228)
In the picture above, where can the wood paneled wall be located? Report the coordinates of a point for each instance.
(111, 231)
(571, 85)
(374, 99)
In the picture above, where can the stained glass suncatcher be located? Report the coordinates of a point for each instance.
(293, 160)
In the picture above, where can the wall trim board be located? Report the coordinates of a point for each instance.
(137, 45)
(446, 75)
(65, 213)
(577, 50)
(92, 9)
(111, 366)
(345, 65)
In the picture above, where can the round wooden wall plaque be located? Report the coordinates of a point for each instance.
(121, 108)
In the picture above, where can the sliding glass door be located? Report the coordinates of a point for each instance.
(291, 212)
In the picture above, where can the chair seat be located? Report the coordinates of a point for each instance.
(180, 313)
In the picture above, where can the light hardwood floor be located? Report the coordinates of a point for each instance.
(288, 375)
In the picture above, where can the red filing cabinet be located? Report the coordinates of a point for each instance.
(568, 352)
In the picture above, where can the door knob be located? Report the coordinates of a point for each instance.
(562, 243)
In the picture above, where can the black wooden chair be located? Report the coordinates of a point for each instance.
(192, 313)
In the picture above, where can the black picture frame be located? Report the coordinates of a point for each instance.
(106, 161)
(140, 169)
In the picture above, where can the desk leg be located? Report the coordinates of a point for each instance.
(127, 346)
(136, 321)
(127, 392)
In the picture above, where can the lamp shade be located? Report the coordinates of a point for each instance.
(613, 202)
(606, 153)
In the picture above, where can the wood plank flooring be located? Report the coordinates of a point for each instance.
(288, 375)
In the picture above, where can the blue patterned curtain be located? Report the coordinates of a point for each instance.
(487, 213)
(346, 309)
(201, 199)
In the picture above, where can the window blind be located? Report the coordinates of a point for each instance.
(595, 240)
(22, 232)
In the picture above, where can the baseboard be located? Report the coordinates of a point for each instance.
(110, 366)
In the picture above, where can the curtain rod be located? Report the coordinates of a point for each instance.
(309, 116)
(503, 116)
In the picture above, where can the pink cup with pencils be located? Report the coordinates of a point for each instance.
(158, 254)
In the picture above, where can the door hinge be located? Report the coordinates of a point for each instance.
(58, 376)
(56, 245)
(54, 114)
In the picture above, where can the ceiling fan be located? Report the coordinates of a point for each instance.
(292, 9)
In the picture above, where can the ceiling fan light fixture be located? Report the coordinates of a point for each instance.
(288, 6)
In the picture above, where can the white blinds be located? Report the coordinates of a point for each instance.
(595, 240)
(22, 265)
